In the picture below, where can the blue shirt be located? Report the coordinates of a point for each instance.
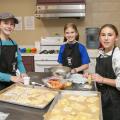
(21, 68)
(83, 52)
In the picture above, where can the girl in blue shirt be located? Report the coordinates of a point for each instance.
(10, 58)
(73, 54)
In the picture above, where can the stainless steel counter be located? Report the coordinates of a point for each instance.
(18, 112)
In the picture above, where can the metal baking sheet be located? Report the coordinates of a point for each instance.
(27, 95)
(74, 86)
(84, 87)
(75, 93)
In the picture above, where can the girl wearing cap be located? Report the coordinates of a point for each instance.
(10, 58)
(73, 54)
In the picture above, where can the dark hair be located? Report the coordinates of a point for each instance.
(74, 27)
(110, 26)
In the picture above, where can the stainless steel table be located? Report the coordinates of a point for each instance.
(18, 112)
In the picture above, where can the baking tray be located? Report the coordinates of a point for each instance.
(84, 87)
(62, 95)
(37, 97)
(74, 86)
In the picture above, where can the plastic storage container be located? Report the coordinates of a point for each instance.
(92, 40)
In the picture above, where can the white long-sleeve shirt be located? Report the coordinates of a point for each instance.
(115, 63)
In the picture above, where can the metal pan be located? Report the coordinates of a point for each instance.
(73, 94)
(27, 95)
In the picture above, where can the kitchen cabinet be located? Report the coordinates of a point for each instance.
(28, 62)
(59, 1)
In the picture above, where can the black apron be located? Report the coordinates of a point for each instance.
(8, 62)
(71, 56)
(110, 95)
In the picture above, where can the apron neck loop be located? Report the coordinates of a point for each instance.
(8, 39)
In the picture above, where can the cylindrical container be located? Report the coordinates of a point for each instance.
(28, 50)
(22, 50)
(26, 80)
(92, 38)
(37, 46)
(33, 50)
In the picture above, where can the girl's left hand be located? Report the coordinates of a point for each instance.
(97, 78)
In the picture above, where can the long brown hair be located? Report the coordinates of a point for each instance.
(72, 25)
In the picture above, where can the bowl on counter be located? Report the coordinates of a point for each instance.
(22, 50)
(28, 50)
(60, 70)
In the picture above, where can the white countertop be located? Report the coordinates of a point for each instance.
(28, 54)
(91, 52)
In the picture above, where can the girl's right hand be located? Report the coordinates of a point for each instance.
(16, 79)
